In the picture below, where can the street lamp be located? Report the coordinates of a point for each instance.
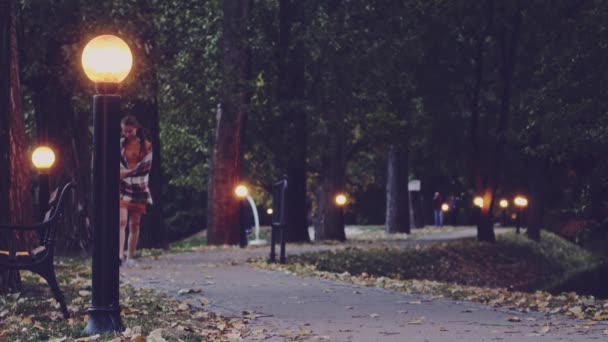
(43, 159)
(478, 201)
(241, 191)
(504, 204)
(521, 203)
(106, 61)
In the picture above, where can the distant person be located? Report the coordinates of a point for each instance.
(437, 213)
(135, 166)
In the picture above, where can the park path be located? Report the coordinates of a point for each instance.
(290, 307)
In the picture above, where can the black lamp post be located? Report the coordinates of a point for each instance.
(340, 200)
(106, 60)
(520, 202)
(241, 193)
(478, 205)
(43, 159)
(504, 204)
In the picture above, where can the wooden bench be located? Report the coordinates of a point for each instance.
(39, 260)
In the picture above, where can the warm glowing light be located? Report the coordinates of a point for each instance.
(269, 211)
(43, 157)
(445, 207)
(478, 201)
(107, 59)
(340, 199)
(241, 191)
(503, 203)
(521, 201)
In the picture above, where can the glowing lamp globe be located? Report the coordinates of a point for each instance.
(445, 207)
(340, 199)
(269, 211)
(503, 203)
(107, 59)
(520, 201)
(43, 158)
(241, 191)
(478, 201)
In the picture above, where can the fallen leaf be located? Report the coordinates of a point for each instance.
(156, 336)
(60, 339)
(420, 320)
(374, 315)
(543, 330)
(514, 319)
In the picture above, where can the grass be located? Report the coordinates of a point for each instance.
(513, 262)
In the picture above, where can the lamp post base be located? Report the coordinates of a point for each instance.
(104, 320)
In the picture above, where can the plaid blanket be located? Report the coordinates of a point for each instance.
(134, 187)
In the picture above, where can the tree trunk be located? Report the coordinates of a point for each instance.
(19, 196)
(485, 230)
(291, 94)
(222, 218)
(397, 194)
(154, 234)
(330, 218)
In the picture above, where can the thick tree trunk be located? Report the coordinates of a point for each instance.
(397, 195)
(19, 196)
(485, 230)
(222, 214)
(291, 94)
(329, 223)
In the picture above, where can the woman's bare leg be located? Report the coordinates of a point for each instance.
(134, 221)
(124, 218)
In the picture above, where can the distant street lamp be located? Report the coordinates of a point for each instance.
(43, 159)
(241, 191)
(478, 201)
(521, 203)
(445, 207)
(106, 60)
(504, 204)
(269, 211)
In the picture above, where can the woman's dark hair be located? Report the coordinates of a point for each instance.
(142, 133)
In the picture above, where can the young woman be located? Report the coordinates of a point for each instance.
(135, 166)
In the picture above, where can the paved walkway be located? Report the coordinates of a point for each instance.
(311, 309)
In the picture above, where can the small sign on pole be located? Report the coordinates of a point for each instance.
(413, 185)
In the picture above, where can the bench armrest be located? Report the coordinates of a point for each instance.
(25, 227)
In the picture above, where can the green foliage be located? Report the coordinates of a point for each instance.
(385, 72)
